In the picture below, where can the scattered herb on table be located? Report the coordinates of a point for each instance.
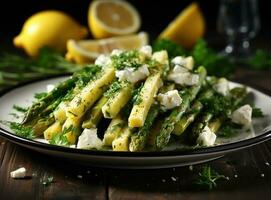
(207, 178)
(47, 181)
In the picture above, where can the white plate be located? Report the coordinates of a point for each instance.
(23, 96)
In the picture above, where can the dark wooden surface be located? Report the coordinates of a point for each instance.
(249, 172)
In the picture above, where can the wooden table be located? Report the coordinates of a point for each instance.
(248, 170)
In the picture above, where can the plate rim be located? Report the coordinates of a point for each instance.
(191, 152)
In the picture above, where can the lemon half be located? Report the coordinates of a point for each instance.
(109, 18)
(187, 27)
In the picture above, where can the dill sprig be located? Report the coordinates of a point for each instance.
(15, 69)
(207, 178)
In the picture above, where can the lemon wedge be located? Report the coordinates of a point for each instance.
(48, 28)
(85, 51)
(187, 27)
(107, 18)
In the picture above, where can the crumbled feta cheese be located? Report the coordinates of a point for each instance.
(187, 62)
(179, 69)
(222, 86)
(170, 99)
(50, 87)
(103, 60)
(18, 173)
(89, 139)
(116, 52)
(161, 57)
(146, 51)
(184, 78)
(132, 75)
(206, 137)
(242, 115)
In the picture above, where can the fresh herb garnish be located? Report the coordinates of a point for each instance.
(172, 48)
(257, 112)
(15, 69)
(216, 64)
(126, 59)
(137, 99)
(87, 74)
(26, 132)
(207, 178)
(19, 109)
(60, 140)
(229, 129)
(40, 95)
(115, 87)
(261, 60)
(217, 105)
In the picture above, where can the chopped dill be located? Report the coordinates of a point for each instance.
(40, 95)
(115, 87)
(257, 112)
(26, 132)
(19, 109)
(126, 59)
(228, 129)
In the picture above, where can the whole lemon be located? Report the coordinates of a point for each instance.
(48, 28)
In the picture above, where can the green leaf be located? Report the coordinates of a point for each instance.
(172, 48)
(257, 112)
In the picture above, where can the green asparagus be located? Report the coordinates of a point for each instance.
(187, 95)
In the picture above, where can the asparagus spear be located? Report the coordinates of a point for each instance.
(237, 95)
(95, 114)
(80, 78)
(139, 138)
(196, 108)
(39, 106)
(187, 95)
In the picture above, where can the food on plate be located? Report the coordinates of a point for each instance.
(137, 100)
(187, 27)
(86, 51)
(107, 18)
(48, 28)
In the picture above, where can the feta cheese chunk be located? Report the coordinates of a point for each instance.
(103, 60)
(18, 173)
(116, 52)
(187, 62)
(161, 57)
(179, 69)
(170, 99)
(146, 51)
(89, 139)
(206, 137)
(242, 115)
(222, 87)
(184, 78)
(132, 75)
(50, 87)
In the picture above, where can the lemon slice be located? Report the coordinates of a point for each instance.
(85, 51)
(187, 27)
(108, 18)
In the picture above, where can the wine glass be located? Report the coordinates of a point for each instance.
(239, 21)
